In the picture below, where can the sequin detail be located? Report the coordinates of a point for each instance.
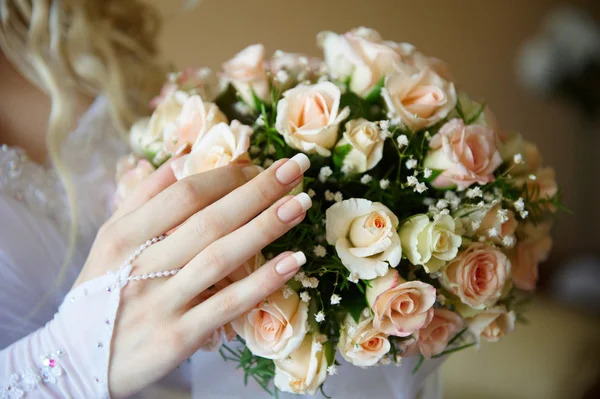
(48, 372)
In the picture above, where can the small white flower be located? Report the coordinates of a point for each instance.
(445, 212)
(532, 177)
(440, 298)
(311, 282)
(282, 76)
(384, 125)
(384, 183)
(305, 296)
(242, 108)
(366, 179)
(385, 361)
(260, 121)
(324, 173)
(429, 201)
(411, 163)
(519, 205)
(475, 225)
(353, 278)
(481, 239)
(524, 214)
(441, 204)
(474, 192)
(421, 188)
(268, 162)
(300, 276)
(338, 197)
(320, 251)
(402, 140)
(254, 150)
(320, 317)
(481, 204)
(509, 241)
(320, 338)
(287, 292)
(311, 193)
(335, 299)
(427, 173)
(493, 232)
(489, 197)
(271, 149)
(518, 159)
(347, 168)
(332, 370)
(398, 361)
(318, 347)
(329, 196)
(502, 215)
(412, 181)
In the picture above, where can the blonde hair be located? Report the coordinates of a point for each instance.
(73, 47)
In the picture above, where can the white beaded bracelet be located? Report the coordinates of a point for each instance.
(146, 276)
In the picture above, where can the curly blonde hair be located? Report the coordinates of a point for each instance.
(73, 47)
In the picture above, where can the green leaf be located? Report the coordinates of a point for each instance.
(477, 114)
(375, 92)
(355, 304)
(329, 353)
(339, 153)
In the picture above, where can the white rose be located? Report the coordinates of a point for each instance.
(429, 243)
(221, 145)
(308, 117)
(366, 141)
(275, 327)
(419, 98)
(246, 72)
(365, 237)
(304, 371)
(362, 344)
(360, 55)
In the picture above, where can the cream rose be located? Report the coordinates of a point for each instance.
(364, 235)
(433, 338)
(366, 145)
(493, 324)
(466, 154)
(131, 170)
(429, 243)
(419, 98)
(275, 327)
(477, 276)
(532, 249)
(360, 55)
(308, 117)
(362, 344)
(246, 72)
(304, 371)
(400, 307)
(492, 222)
(221, 145)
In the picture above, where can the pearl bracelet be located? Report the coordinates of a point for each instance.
(138, 252)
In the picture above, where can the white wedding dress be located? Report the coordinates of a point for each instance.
(34, 222)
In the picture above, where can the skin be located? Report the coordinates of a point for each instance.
(221, 220)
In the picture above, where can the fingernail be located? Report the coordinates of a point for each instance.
(290, 264)
(292, 169)
(295, 207)
(250, 172)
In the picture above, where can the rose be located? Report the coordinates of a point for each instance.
(466, 154)
(360, 56)
(433, 338)
(540, 185)
(304, 371)
(362, 344)
(400, 307)
(419, 98)
(221, 145)
(308, 117)
(246, 72)
(192, 123)
(214, 342)
(429, 243)
(477, 275)
(275, 327)
(202, 81)
(532, 249)
(512, 144)
(414, 58)
(364, 235)
(288, 69)
(492, 324)
(131, 170)
(480, 221)
(472, 111)
(365, 141)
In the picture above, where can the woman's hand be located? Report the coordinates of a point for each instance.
(221, 220)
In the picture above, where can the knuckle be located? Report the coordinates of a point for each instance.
(208, 225)
(268, 227)
(185, 192)
(213, 259)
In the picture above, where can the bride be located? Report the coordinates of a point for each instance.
(77, 319)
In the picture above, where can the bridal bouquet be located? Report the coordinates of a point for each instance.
(429, 218)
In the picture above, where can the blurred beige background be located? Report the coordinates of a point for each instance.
(552, 358)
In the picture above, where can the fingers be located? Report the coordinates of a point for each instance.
(223, 256)
(177, 203)
(241, 296)
(227, 214)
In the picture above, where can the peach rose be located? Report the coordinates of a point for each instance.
(400, 307)
(366, 142)
(477, 276)
(541, 184)
(433, 339)
(304, 371)
(309, 116)
(533, 248)
(362, 344)
(420, 98)
(410, 56)
(246, 72)
(131, 170)
(214, 342)
(360, 56)
(512, 144)
(364, 235)
(221, 145)
(493, 324)
(465, 154)
(202, 81)
(275, 327)
(489, 220)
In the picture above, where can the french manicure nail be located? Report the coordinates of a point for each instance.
(290, 263)
(292, 169)
(295, 207)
